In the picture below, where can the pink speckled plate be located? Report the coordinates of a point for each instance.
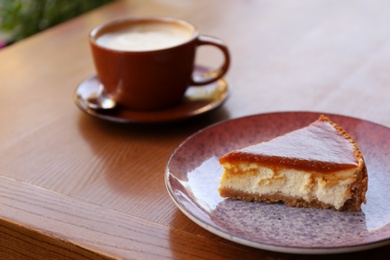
(193, 172)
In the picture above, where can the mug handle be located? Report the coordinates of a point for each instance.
(213, 75)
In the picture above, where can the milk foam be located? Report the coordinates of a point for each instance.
(144, 37)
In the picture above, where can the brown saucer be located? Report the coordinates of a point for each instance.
(197, 101)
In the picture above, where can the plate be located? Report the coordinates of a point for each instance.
(197, 101)
(193, 172)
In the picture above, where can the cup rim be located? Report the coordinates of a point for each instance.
(166, 19)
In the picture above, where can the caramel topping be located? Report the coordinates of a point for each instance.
(322, 147)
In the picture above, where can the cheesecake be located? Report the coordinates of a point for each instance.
(317, 166)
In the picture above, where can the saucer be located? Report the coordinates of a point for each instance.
(196, 101)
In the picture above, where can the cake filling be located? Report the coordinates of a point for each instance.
(310, 186)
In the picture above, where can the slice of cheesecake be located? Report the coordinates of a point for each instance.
(318, 166)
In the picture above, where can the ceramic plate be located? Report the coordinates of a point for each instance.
(197, 101)
(193, 172)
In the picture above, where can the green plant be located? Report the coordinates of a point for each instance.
(22, 18)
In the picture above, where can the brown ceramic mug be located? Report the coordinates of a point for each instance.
(147, 63)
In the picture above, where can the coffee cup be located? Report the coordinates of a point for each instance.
(147, 63)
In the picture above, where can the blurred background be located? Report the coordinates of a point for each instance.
(22, 18)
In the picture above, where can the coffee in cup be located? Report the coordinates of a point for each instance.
(144, 37)
(147, 63)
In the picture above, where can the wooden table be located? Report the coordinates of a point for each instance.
(73, 186)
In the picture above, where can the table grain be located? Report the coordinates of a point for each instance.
(73, 186)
